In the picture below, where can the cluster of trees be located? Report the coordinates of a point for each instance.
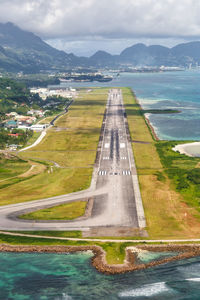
(21, 139)
(15, 93)
(56, 104)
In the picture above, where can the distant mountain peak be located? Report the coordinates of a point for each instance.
(101, 54)
(22, 50)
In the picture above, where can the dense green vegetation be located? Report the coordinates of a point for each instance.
(37, 80)
(7, 137)
(13, 92)
(184, 172)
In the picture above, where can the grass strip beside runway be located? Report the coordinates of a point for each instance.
(166, 211)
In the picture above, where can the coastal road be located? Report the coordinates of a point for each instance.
(114, 189)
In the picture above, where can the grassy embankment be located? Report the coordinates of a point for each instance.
(47, 120)
(72, 145)
(170, 196)
(115, 252)
(11, 168)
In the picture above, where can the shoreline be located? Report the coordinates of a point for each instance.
(148, 123)
(98, 261)
(181, 148)
(151, 128)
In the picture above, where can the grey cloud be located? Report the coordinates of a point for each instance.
(111, 19)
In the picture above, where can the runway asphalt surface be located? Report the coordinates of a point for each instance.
(114, 188)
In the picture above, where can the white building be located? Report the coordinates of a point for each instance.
(39, 127)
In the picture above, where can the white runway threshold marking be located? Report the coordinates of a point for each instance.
(102, 173)
(107, 145)
(126, 172)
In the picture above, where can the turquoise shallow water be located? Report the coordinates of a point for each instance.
(174, 90)
(70, 276)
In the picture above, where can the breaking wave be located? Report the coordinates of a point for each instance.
(146, 290)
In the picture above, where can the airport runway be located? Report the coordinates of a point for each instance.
(114, 188)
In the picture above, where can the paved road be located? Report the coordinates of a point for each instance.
(114, 188)
(102, 240)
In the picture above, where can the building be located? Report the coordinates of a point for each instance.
(39, 127)
(11, 124)
(13, 147)
(35, 112)
(14, 134)
(24, 127)
(12, 114)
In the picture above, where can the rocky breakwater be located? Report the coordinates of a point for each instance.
(99, 259)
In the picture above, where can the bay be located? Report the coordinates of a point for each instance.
(38, 276)
(169, 90)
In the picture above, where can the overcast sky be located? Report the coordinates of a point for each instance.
(84, 26)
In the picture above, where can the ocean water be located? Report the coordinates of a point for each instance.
(169, 90)
(71, 277)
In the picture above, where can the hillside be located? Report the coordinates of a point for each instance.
(24, 51)
(14, 95)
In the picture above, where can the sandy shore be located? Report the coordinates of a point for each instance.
(147, 121)
(99, 258)
(183, 148)
(146, 116)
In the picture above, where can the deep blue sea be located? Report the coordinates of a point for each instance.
(174, 90)
(71, 277)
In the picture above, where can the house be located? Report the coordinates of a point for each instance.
(14, 134)
(12, 114)
(13, 147)
(26, 119)
(35, 112)
(11, 124)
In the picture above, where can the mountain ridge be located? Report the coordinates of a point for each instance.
(21, 50)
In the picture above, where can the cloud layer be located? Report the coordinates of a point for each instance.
(108, 19)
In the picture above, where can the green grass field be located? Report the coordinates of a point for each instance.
(69, 211)
(71, 144)
(11, 166)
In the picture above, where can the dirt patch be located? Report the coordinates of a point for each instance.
(114, 232)
(35, 169)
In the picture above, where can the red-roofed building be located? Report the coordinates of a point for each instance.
(14, 134)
